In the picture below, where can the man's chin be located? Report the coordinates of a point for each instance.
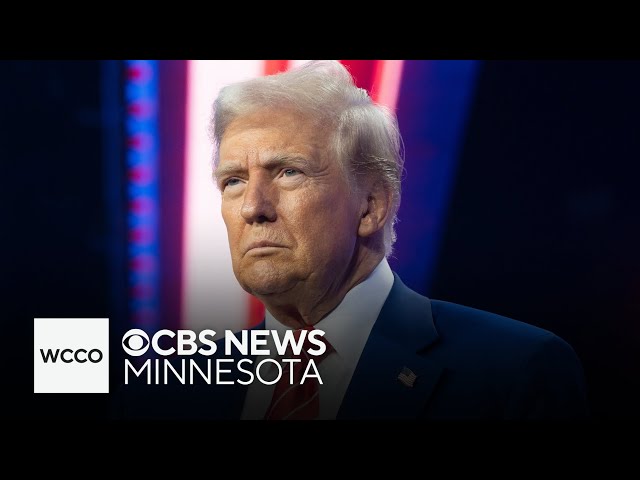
(262, 291)
(267, 290)
(264, 283)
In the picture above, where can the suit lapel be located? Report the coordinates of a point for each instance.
(400, 338)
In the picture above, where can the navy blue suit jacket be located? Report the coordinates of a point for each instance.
(470, 364)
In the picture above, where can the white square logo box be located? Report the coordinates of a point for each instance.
(71, 355)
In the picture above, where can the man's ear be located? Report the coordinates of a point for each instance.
(376, 207)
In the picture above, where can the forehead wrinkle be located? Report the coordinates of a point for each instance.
(280, 159)
(290, 149)
(270, 162)
(233, 166)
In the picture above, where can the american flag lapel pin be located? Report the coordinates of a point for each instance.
(407, 377)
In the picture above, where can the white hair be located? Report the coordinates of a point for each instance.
(365, 137)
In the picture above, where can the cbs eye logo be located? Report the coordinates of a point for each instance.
(135, 342)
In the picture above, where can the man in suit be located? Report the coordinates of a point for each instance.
(309, 171)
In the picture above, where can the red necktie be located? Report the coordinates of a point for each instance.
(295, 401)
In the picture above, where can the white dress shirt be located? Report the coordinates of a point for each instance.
(347, 329)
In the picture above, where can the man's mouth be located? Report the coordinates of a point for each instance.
(262, 245)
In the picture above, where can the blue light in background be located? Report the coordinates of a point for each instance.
(141, 97)
(433, 106)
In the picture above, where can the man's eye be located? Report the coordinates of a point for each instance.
(231, 182)
(290, 172)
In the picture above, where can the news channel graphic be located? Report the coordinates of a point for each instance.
(294, 351)
(71, 355)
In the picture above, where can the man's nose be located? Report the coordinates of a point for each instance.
(258, 205)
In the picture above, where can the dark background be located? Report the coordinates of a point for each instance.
(542, 224)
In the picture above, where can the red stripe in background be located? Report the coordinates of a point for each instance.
(376, 85)
(364, 72)
(256, 311)
(275, 66)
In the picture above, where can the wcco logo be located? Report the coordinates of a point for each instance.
(71, 355)
(81, 355)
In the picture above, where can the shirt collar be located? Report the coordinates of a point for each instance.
(347, 327)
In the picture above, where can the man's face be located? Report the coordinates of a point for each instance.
(281, 186)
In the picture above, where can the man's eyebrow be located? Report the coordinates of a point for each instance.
(279, 160)
(227, 169)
